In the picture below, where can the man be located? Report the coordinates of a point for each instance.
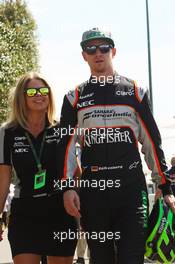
(172, 170)
(109, 115)
(172, 174)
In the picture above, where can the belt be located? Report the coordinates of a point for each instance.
(38, 195)
(42, 195)
(45, 194)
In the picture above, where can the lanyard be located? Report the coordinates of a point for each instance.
(37, 158)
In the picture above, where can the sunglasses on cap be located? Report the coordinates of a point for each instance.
(31, 91)
(104, 48)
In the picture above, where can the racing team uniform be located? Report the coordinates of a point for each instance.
(109, 120)
(37, 216)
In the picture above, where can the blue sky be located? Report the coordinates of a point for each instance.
(60, 27)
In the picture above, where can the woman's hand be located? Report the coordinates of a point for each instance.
(158, 194)
(72, 203)
(170, 200)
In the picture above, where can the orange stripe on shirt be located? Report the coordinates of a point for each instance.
(154, 151)
(66, 158)
(76, 96)
(136, 92)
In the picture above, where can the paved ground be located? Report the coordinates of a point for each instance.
(5, 255)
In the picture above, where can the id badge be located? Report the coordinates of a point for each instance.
(40, 179)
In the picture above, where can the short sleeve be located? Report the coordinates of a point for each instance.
(5, 150)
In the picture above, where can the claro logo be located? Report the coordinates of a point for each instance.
(128, 92)
(85, 104)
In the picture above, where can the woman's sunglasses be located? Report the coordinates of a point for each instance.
(104, 48)
(31, 91)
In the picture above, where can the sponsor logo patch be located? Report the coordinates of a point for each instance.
(85, 104)
(86, 96)
(105, 114)
(122, 92)
(115, 136)
(134, 165)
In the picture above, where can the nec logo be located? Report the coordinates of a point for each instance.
(85, 104)
(21, 150)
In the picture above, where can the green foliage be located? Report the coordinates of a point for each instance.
(18, 47)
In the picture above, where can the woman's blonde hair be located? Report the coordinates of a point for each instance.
(18, 113)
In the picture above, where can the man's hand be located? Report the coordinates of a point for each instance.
(158, 194)
(170, 200)
(72, 203)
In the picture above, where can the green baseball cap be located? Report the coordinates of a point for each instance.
(96, 33)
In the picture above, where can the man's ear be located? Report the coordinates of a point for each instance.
(114, 52)
(84, 55)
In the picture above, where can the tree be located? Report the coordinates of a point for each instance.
(18, 49)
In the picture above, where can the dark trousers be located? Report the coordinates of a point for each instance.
(115, 225)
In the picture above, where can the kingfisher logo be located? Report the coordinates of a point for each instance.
(116, 136)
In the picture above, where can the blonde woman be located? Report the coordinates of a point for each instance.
(28, 146)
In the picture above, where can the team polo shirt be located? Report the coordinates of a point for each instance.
(16, 151)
